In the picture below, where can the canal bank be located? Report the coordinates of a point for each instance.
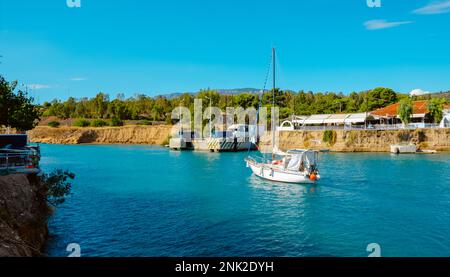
(151, 135)
(337, 140)
(361, 140)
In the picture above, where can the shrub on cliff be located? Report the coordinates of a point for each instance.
(329, 137)
(115, 122)
(98, 123)
(54, 124)
(58, 185)
(81, 123)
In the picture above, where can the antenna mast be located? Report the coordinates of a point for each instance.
(273, 99)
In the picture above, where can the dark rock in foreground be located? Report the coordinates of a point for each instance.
(23, 216)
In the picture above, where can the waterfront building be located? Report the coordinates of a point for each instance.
(420, 117)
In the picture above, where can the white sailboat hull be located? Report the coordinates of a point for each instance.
(273, 173)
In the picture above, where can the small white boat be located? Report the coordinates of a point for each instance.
(295, 166)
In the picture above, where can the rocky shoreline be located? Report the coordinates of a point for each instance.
(342, 140)
(362, 140)
(153, 135)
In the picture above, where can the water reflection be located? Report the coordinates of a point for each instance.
(282, 189)
(208, 156)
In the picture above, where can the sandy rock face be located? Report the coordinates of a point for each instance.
(23, 213)
(108, 135)
(362, 140)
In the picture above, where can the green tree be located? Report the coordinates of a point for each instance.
(405, 111)
(247, 100)
(118, 109)
(436, 107)
(100, 105)
(16, 108)
(281, 98)
(378, 98)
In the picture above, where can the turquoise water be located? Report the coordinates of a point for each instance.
(134, 201)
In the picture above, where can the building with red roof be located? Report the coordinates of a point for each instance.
(420, 112)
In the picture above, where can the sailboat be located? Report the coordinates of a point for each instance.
(298, 166)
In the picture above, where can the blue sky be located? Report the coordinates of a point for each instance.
(156, 47)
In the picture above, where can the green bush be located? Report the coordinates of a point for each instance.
(58, 185)
(54, 124)
(81, 123)
(116, 122)
(98, 123)
(329, 137)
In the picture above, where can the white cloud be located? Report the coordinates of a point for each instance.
(383, 24)
(38, 86)
(418, 92)
(78, 79)
(434, 8)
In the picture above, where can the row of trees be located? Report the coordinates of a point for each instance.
(18, 111)
(160, 108)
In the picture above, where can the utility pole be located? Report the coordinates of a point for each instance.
(273, 100)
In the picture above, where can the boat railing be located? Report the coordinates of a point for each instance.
(19, 161)
(258, 159)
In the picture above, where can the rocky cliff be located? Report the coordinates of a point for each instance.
(23, 216)
(108, 135)
(362, 140)
(342, 140)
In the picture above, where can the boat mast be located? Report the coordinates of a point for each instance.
(273, 100)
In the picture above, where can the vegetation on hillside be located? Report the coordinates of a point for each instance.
(142, 107)
(18, 111)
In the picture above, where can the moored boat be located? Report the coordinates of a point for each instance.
(294, 166)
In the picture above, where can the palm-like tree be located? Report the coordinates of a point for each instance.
(405, 110)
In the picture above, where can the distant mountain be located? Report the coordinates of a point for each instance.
(174, 95)
(235, 91)
(220, 91)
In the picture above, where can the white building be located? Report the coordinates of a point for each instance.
(343, 120)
